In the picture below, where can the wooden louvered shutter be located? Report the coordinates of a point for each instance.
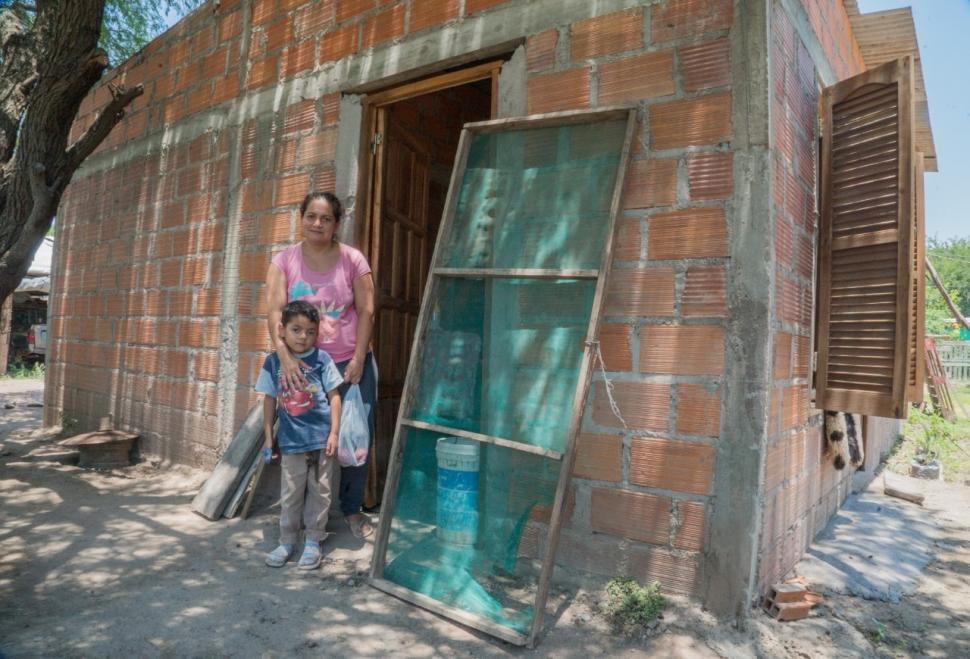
(916, 353)
(866, 245)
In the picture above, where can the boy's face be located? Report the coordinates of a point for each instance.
(299, 334)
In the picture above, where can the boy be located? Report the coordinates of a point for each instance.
(307, 436)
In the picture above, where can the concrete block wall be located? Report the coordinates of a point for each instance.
(802, 490)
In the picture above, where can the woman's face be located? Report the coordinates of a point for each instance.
(319, 223)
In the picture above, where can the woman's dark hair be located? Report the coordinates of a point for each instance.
(300, 308)
(330, 198)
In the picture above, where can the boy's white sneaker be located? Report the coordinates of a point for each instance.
(279, 556)
(310, 560)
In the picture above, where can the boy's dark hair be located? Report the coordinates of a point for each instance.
(300, 308)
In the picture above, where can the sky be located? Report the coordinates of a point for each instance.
(943, 33)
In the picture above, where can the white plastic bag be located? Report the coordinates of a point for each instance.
(354, 430)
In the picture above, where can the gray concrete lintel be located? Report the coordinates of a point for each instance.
(734, 527)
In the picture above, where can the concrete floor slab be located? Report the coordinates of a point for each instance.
(875, 547)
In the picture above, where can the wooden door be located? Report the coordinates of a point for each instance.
(404, 242)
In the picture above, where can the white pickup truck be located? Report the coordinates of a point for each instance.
(37, 340)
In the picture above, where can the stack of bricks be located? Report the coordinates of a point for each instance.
(801, 490)
(790, 601)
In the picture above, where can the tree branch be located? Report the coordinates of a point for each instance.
(946, 296)
(93, 136)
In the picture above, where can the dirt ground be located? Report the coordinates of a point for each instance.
(113, 563)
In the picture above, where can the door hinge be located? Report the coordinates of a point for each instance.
(378, 138)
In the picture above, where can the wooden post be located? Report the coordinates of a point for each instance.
(6, 317)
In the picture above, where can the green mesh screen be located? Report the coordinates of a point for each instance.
(501, 356)
(536, 198)
(475, 559)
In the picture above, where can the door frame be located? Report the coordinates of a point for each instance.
(370, 162)
(374, 122)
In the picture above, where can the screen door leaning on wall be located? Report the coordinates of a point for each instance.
(501, 366)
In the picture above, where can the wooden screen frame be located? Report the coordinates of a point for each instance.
(898, 71)
(567, 458)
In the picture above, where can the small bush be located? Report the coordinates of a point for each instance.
(631, 605)
(20, 370)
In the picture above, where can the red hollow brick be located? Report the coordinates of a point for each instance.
(710, 175)
(599, 457)
(672, 465)
(540, 50)
(350, 8)
(615, 347)
(337, 44)
(688, 233)
(643, 405)
(689, 533)
(636, 78)
(626, 247)
(605, 35)
(567, 90)
(383, 27)
(427, 13)
(315, 18)
(705, 292)
(640, 292)
(682, 349)
(698, 410)
(475, 6)
(674, 19)
(632, 515)
(691, 122)
(705, 65)
(650, 183)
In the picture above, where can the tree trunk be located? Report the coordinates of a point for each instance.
(67, 64)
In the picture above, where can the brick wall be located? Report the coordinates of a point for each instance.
(158, 226)
(641, 492)
(802, 489)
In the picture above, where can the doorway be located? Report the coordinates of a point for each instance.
(413, 133)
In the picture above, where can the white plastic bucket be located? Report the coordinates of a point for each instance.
(457, 512)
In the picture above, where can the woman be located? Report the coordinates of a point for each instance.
(336, 279)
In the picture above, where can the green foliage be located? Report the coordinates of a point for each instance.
(20, 370)
(130, 24)
(951, 258)
(932, 431)
(950, 442)
(631, 605)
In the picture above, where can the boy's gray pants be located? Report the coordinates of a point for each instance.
(305, 497)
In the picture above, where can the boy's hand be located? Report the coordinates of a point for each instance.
(267, 454)
(332, 443)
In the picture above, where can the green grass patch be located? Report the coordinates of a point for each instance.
(24, 371)
(631, 606)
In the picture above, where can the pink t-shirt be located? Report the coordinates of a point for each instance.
(331, 292)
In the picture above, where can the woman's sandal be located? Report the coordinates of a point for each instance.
(359, 526)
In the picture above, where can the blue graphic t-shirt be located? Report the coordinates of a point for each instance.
(304, 415)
